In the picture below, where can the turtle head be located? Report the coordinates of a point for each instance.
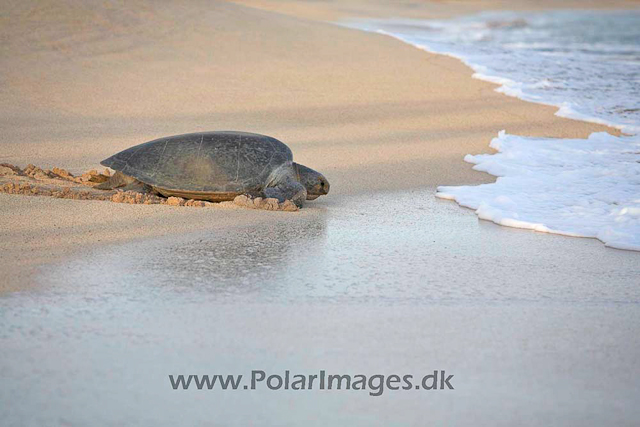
(315, 183)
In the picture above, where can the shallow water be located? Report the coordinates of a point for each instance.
(538, 326)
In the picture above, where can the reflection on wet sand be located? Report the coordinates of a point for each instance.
(242, 261)
(384, 248)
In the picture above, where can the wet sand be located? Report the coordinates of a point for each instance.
(533, 331)
(377, 277)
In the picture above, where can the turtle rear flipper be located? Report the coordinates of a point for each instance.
(118, 180)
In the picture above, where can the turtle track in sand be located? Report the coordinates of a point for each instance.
(60, 183)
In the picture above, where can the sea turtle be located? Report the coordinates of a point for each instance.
(215, 166)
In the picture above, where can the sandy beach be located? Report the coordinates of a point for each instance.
(82, 81)
(385, 122)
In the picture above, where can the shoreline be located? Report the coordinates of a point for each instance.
(500, 82)
(369, 125)
(615, 129)
(508, 202)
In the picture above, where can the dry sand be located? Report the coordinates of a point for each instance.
(82, 80)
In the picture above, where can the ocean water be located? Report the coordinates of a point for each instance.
(587, 63)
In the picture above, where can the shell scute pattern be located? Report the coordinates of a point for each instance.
(204, 162)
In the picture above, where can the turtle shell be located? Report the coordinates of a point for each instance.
(204, 163)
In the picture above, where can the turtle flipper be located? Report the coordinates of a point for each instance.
(118, 180)
(288, 189)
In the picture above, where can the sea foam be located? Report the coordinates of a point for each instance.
(586, 63)
(575, 187)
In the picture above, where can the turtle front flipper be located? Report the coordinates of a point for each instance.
(287, 189)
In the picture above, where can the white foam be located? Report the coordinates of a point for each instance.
(575, 187)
